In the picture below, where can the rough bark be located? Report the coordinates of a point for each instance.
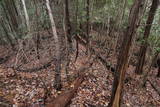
(143, 49)
(124, 54)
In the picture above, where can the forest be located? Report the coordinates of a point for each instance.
(79, 53)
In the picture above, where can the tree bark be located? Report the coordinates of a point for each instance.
(124, 54)
(143, 49)
(57, 83)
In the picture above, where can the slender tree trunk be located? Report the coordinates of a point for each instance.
(124, 54)
(143, 49)
(38, 35)
(119, 21)
(57, 83)
(88, 23)
(67, 30)
(68, 24)
(158, 63)
(26, 15)
(88, 18)
(76, 14)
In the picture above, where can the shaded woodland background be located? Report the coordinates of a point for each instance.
(79, 53)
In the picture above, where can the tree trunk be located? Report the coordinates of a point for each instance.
(68, 24)
(67, 30)
(124, 54)
(88, 24)
(11, 14)
(37, 34)
(143, 49)
(26, 15)
(57, 83)
(158, 63)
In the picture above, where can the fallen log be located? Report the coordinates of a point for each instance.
(30, 70)
(64, 99)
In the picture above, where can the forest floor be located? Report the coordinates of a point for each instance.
(19, 88)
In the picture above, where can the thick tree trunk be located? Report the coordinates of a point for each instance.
(57, 83)
(143, 49)
(124, 54)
